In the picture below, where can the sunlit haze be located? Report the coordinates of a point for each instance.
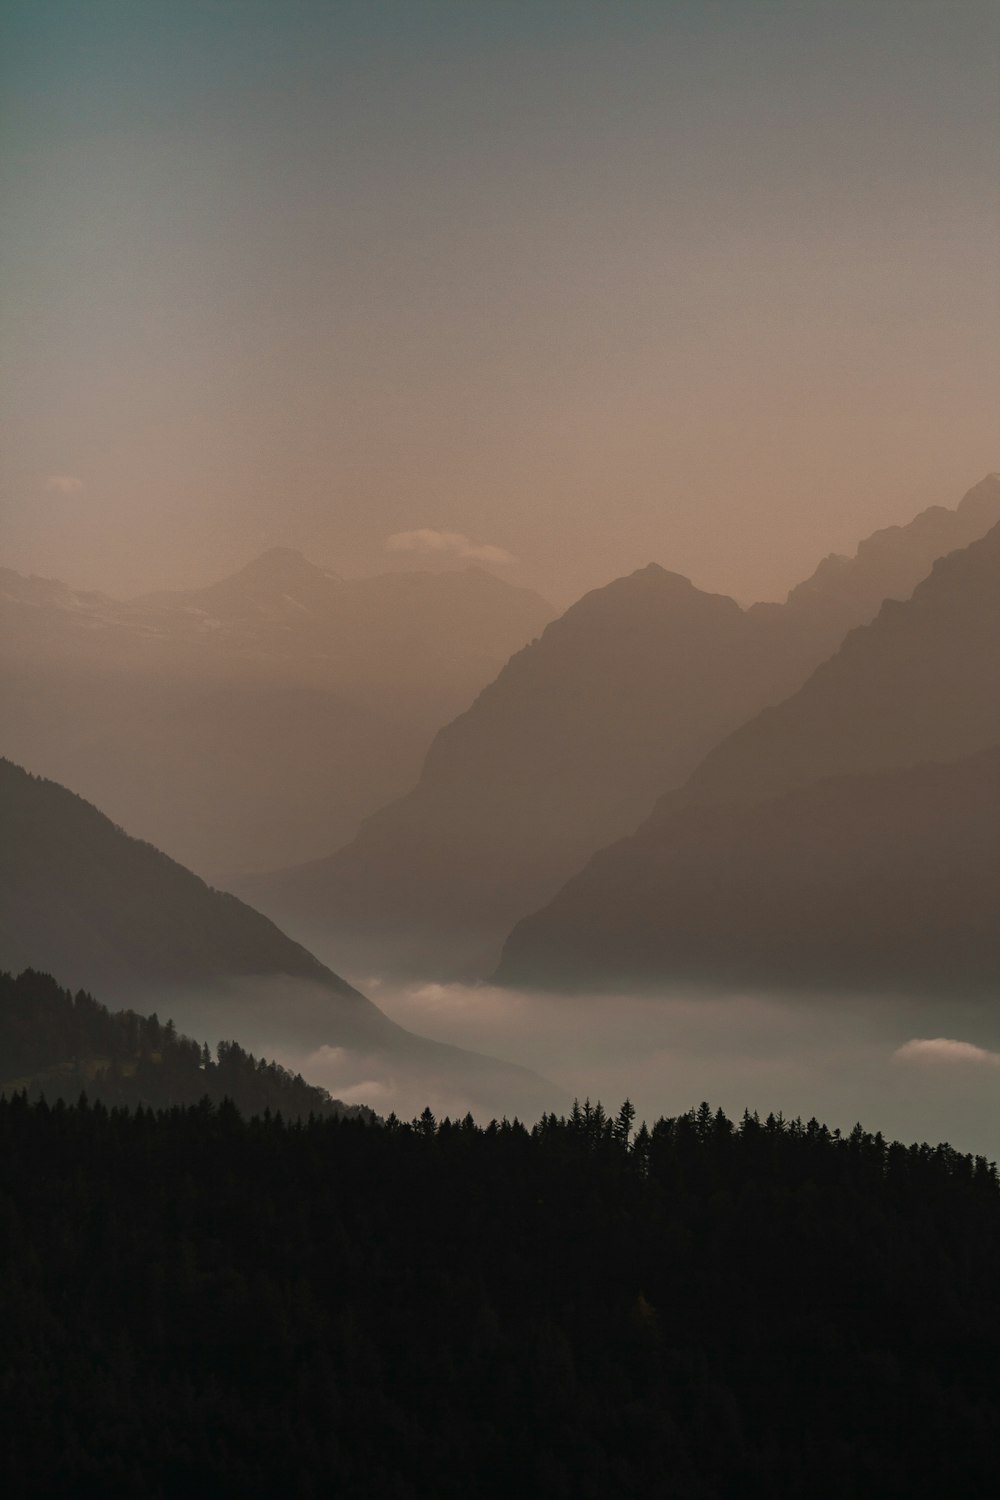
(561, 287)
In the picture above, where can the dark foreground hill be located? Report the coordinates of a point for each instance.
(616, 703)
(79, 897)
(57, 1045)
(194, 1304)
(826, 884)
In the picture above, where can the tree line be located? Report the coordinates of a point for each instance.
(54, 1043)
(198, 1302)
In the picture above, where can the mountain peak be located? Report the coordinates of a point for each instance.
(278, 564)
(982, 501)
(891, 562)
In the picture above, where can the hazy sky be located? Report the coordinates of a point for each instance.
(590, 282)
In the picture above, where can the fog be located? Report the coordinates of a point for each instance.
(914, 1069)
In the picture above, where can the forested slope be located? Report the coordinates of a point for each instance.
(57, 1045)
(194, 1304)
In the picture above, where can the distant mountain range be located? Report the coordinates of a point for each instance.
(845, 592)
(616, 703)
(81, 899)
(761, 868)
(257, 720)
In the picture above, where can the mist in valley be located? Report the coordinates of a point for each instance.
(916, 1068)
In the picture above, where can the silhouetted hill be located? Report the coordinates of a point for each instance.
(78, 896)
(117, 912)
(196, 1304)
(573, 743)
(889, 881)
(257, 720)
(56, 1045)
(917, 684)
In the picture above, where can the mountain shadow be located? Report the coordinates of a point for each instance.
(752, 870)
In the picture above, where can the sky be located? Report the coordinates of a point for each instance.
(561, 287)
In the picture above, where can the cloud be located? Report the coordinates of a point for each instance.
(942, 1049)
(348, 1075)
(428, 541)
(64, 484)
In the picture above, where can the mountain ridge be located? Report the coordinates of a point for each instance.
(257, 721)
(79, 896)
(916, 685)
(570, 746)
(887, 881)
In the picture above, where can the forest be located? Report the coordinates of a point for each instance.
(55, 1044)
(198, 1302)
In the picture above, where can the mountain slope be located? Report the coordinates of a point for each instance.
(884, 881)
(618, 698)
(79, 897)
(255, 721)
(918, 684)
(845, 592)
(115, 912)
(573, 743)
(56, 1045)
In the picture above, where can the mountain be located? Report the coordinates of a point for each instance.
(280, 584)
(56, 1045)
(79, 898)
(920, 682)
(889, 881)
(414, 633)
(847, 591)
(255, 721)
(572, 744)
(762, 868)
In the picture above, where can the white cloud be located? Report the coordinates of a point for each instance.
(943, 1049)
(64, 484)
(427, 540)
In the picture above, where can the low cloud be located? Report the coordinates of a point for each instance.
(64, 484)
(429, 542)
(347, 1075)
(943, 1049)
